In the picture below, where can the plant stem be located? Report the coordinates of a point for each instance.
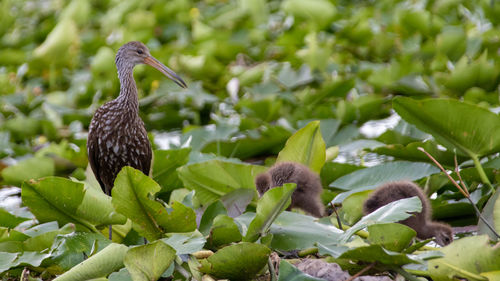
(464, 190)
(272, 272)
(481, 172)
(306, 252)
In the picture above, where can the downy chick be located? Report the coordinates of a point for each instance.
(307, 194)
(420, 222)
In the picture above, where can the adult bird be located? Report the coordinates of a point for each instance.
(117, 136)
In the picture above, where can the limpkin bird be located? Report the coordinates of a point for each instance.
(117, 136)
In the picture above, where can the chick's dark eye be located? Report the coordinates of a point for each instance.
(140, 52)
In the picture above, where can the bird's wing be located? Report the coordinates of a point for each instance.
(93, 154)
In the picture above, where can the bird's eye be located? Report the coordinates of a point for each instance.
(140, 52)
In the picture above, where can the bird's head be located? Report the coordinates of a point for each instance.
(135, 52)
(443, 233)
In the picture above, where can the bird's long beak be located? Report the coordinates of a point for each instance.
(165, 70)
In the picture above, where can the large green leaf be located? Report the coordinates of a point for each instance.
(99, 265)
(9, 220)
(306, 146)
(410, 152)
(492, 214)
(215, 178)
(180, 219)
(240, 261)
(185, 243)
(266, 140)
(392, 236)
(466, 257)
(270, 205)
(372, 177)
(224, 231)
(148, 262)
(65, 201)
(151, 219)
(294, 231)
(471, 129)
(31, 168)
(392, 212)
(165, 164)
(67, 249)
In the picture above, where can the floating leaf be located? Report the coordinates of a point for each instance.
(293, 231)
(185, 243)
(99, 265)
(306, 146)
(67, 249)
(9, 220)
(392, 212)
(392, 236)
(215, 178)
(451, 123)
(131, 197)
(164, 167)
(240, 261)
(148, 262)
(270, 205)
(65, 201)
(237, 201)
(212, 211)
(31, 168)
(467, 258)
(224, 231)
(372, 177)
(352, 206)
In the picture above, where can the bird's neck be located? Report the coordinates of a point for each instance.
(128, 98)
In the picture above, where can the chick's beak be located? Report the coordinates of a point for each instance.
(165, 70)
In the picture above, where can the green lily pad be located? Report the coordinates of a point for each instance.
(467, 258)
(142, 267)
(392, 212)
(294, 231)
(392, 236)
(164, 167)
(270, 205)
(306, 146)
(369, 178)
(224, 231)
(99, 265)
(150, 218)
(65, 201)
(31, 168)
(215, 178)
(185, 243)
(240, 261)
(451, 123)
(9, 220)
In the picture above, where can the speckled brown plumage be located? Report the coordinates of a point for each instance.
(307, 194)
(117, 136)
(420, 222)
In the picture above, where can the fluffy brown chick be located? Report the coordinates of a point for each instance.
(307, 194)
(420, 222)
